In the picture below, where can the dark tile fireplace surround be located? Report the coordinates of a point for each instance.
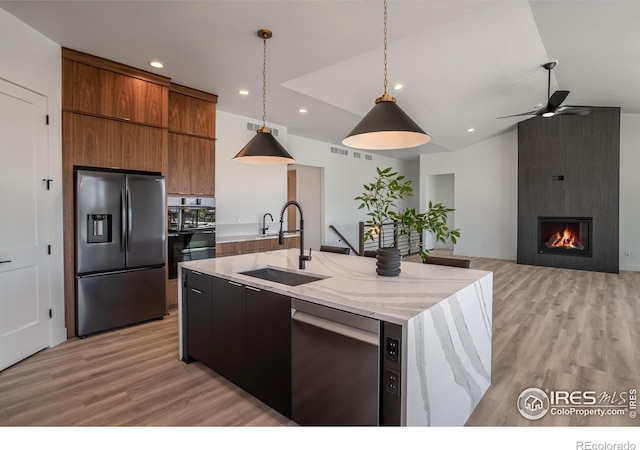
(568, 191)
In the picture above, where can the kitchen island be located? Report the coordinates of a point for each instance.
(443, 314)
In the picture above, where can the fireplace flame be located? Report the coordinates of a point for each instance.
(566, 239)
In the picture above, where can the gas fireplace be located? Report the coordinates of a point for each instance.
(564, 235)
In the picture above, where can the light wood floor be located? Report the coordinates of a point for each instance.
(552, 328)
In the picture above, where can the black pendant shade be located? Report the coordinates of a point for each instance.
(386, 127)
(263, 148)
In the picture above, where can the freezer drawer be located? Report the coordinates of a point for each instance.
(117, 299)
(335, 367)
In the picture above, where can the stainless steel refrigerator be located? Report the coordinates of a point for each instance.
(120, 249)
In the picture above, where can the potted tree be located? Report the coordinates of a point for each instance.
(434, 221)
(380, 198)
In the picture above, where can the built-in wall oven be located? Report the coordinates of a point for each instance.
(192, 230)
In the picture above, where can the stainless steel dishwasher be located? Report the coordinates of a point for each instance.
(335, 366)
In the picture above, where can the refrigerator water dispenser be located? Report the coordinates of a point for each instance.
(98, 228)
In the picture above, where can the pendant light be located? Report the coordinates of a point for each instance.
(263, 148)
(386, 126)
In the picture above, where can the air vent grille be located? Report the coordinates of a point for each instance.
(356, 155)
(339, 151)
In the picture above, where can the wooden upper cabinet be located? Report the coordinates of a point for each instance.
(203, 167)
(191, 165)
(96, 142)
(141, 147)
(192, 116)
(105, 88)
(192, 132)
(101, 142)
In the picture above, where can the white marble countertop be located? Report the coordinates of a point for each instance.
(251, 237)
(350, 282)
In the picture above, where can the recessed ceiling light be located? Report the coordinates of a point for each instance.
(243, 92)
(302, 110)
(398, 86)
(471, 130)
(548, 114)
(156, 64)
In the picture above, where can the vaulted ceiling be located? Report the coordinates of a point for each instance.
(462, 63)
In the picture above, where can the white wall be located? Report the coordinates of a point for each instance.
(630, 191)
(344, 177)
(486, 197)
(310, 195)
(441, 189)
(32, 61)
(245, 192)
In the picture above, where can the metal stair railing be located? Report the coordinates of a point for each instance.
(344, 239)
(392, 238)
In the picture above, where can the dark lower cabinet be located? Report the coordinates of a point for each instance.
(200, 327)
(229, 331)
(269, 349)
(244, 334)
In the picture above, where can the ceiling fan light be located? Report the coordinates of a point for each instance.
(263, 149)
(386, 127)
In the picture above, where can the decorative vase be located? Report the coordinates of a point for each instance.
(388, 262)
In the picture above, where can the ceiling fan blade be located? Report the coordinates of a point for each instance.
(574, 110)
(556, 100)
(530, 113)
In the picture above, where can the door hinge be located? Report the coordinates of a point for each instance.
(48, 249)
(47, 119)
(50, 314)
(48, 180)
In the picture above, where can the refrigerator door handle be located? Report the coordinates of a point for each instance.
(123, 221)
(129, 220)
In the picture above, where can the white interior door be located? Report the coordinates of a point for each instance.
(24, 224)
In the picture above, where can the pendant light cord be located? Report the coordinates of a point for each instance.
(385, 47)
(264, 83)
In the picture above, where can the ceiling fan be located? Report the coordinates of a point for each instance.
(554, 102)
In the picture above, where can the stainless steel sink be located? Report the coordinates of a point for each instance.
(281, 276)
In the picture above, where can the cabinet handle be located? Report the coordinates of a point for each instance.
(252, 288)
(7, 261)
(196, 291)
(196, 273)
(188, 133)
(124, 119)
(234, 283)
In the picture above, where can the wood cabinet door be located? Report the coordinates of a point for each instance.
(96, 142)
(85, 87)
(142, 147)
(179, 165)
(110, 94)
(192, 116)
(202, 171)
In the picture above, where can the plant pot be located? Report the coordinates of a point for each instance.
(388, 262)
